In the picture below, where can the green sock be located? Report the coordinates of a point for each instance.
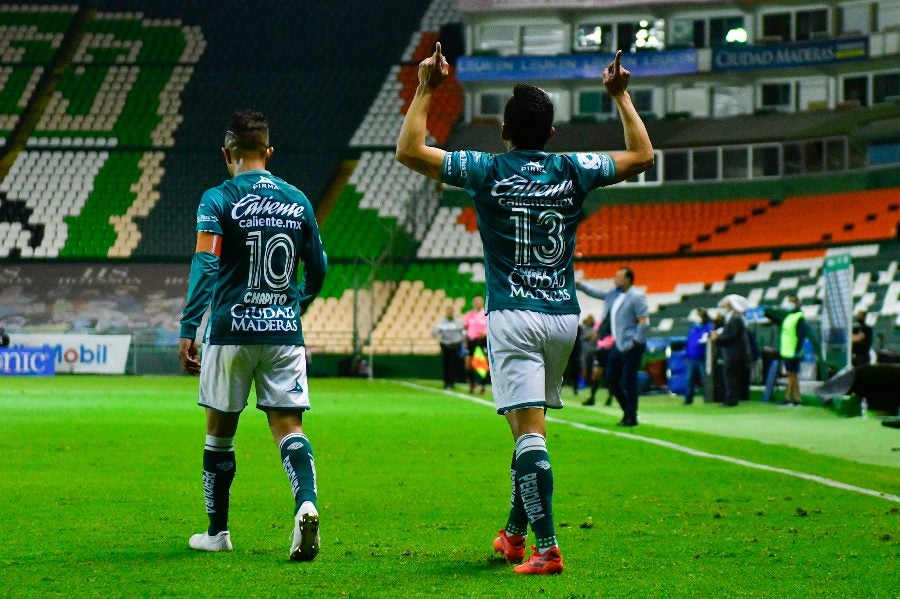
(517, 523)
(298, 462)
(219, 467)
(534, 478)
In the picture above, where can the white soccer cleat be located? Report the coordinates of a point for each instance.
(305, 542)
(204, 542)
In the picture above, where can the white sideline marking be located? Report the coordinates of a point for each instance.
(688, 450)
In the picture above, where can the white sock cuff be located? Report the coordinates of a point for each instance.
(293, 437)
(223, 444)
(530, 442)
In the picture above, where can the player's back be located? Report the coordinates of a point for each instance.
(267, 227)
(529, 203)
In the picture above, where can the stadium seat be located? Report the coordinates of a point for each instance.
(840, 217)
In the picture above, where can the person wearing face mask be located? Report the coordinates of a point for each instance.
(695, 352)
(862, 340)
(732, 341)
(793, 333)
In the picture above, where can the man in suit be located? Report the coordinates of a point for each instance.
(628, 316)
(734, 345)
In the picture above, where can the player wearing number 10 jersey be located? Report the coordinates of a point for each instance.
(528, 204)
(252, 233)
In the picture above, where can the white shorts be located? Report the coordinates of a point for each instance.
(279, 372)
(528, 353)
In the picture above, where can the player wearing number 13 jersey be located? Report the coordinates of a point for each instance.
(528, 204)
(252, 233)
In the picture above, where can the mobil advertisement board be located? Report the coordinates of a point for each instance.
(80, 354)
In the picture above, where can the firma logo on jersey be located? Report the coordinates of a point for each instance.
(265, 183)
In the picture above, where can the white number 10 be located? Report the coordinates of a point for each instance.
(262, 260)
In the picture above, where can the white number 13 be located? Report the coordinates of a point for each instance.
(550, 253)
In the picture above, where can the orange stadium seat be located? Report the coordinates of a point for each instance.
(846, 216)
(468, 218)
(660, 228)
(802, 254)
(664, 274)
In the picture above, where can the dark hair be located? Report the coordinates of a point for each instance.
(528, 117)
(629, 274)
(247, 131)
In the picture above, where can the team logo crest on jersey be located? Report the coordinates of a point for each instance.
(533, 167)
(265, 183)
(592, 161)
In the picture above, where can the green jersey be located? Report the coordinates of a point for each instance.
(528, 205)
(267, 226)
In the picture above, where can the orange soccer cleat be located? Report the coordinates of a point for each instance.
(548, 562)
(511, 546)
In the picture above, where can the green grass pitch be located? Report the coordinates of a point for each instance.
(100, 490)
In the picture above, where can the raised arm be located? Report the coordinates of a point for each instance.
(412, 151)
(638, 154)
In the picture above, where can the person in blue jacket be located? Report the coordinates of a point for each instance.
(695, 352)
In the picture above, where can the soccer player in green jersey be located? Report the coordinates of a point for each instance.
(252, 232)
(528, 204)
